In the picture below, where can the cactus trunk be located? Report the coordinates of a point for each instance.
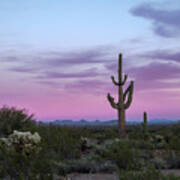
(121, 123)
(145, 125)
(121, 112)
(121, 106)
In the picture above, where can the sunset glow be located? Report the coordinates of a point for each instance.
(57, 57)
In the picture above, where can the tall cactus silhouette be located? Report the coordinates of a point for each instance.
(124, 98)
(145, 125)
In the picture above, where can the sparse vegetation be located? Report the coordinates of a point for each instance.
(68, 149)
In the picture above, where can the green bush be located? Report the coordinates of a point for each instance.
(171, 177)
(123, 153)
(144, 174)
(60, 142)
(173, 160)
(174, 143)
(18, 165)
(81, 166)
(159, 163)
(14, 119)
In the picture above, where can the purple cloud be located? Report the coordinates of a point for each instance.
(163, 55)
(52, 65)
(156, 71)
(155, 75)
(23, 69)
(113, 67)
(50, 83)
(9, 59)
(94, 86)
(91, 56)
(165, 22)
(88, 84)
(49, 72)
(83, 74)
(55, 60)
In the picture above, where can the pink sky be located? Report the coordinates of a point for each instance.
(50, 96)
(59, 67)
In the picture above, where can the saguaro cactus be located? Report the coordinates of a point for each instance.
(145, 125)
(124, 98)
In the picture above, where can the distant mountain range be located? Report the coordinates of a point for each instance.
(107, 123)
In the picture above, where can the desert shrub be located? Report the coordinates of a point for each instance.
(22, 142)
(158, 163)
(143, 174)
(105, 167)
(20, 166)
(81, 166)
(84, 165)
(123, 153)
(174, 143)
(60, 142)
(173, 160)
(148, 145)
(14, 119)
(22, 156)
(171, 176)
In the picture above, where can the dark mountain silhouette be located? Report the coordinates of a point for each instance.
(107, 123)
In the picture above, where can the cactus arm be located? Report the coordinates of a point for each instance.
(113, 80)
(125, 78)
(126, 92)
(111, 101)
(129, 91)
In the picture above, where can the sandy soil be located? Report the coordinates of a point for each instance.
(174, 171)
(92, 177)
(104, 176)
(111, 176)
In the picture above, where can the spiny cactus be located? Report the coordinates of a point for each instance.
(124, 98)
(145, 125)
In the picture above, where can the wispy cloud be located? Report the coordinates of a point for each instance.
(165, 22)
(156, 71)
(59, 59)
(55, 67)
(94, 86)
(9, 59)
(166, 55)
(67, 71)
(156, 75)
(88, 56)
(23, 69)
(83, 74)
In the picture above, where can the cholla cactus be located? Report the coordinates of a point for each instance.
(124, 98)
(22, 141)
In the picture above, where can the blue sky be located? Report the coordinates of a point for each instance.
(69, 23)
(60, 54)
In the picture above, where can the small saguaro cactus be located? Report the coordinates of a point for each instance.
(124, 98)
(145, 125)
